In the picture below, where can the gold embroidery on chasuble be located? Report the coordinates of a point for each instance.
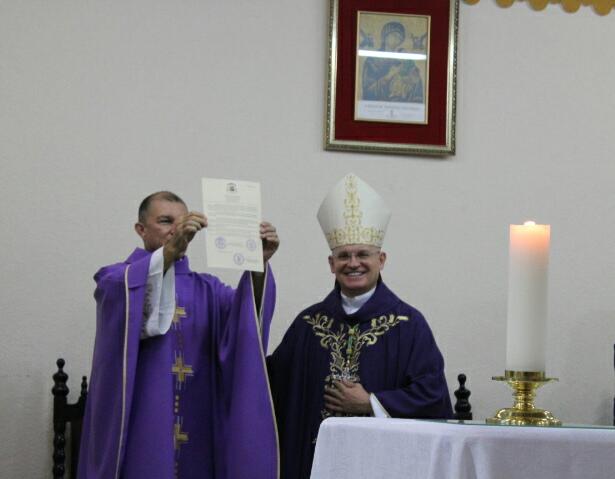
(180, 313)
(181, 372)
(179, 437)
(346, 343)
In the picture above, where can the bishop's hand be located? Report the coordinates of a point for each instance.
(347, 398)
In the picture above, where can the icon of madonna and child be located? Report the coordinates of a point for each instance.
(391, 81)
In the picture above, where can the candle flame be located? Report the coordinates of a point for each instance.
(529, 223)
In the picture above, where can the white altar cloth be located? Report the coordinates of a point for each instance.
(373, 448)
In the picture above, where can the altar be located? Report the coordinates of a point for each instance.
(373, 448)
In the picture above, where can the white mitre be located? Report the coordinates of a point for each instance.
(353, 213)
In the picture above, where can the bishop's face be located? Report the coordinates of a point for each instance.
(357, 267)
(159, 223)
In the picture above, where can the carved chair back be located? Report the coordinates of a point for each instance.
(63, 414)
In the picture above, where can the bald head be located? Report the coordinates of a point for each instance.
(158, 214)
(159, 195)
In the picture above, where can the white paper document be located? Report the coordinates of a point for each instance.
(233, 210)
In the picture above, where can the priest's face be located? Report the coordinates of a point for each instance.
(159, 223)
(357, 267)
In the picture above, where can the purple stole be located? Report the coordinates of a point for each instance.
(192, 403)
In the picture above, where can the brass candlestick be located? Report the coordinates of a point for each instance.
(523, 412)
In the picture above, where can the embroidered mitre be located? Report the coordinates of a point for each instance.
(353, 213)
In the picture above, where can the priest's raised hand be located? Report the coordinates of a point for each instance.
(271, 242)
(180, 235)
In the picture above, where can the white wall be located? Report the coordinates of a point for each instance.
(104, 102)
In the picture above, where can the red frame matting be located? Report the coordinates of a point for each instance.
(346, 127)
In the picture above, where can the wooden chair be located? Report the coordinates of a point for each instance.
(64, 413)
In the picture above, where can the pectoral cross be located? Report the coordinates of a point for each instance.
(351, 345)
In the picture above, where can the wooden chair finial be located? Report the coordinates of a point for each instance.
(463, 408)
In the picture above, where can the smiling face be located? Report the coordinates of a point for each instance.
(157, 225)
(357, 267)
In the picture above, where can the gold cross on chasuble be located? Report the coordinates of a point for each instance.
(180, 369)
(179, 437)
(179, 314)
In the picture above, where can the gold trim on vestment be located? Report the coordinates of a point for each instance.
(181, 372)
(178, 315)
(124, 373)
(180, 369)
(179, 437)
(258, 319)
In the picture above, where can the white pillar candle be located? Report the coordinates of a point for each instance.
(527, 297)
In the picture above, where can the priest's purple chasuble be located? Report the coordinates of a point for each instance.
(386, 345)
(192, 403)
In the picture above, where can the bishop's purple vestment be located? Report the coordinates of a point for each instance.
(192, 403)
(386, 345)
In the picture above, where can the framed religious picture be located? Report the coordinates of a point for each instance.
(391, 78)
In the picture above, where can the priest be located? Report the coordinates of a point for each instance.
(179, 385)
(361, 351)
